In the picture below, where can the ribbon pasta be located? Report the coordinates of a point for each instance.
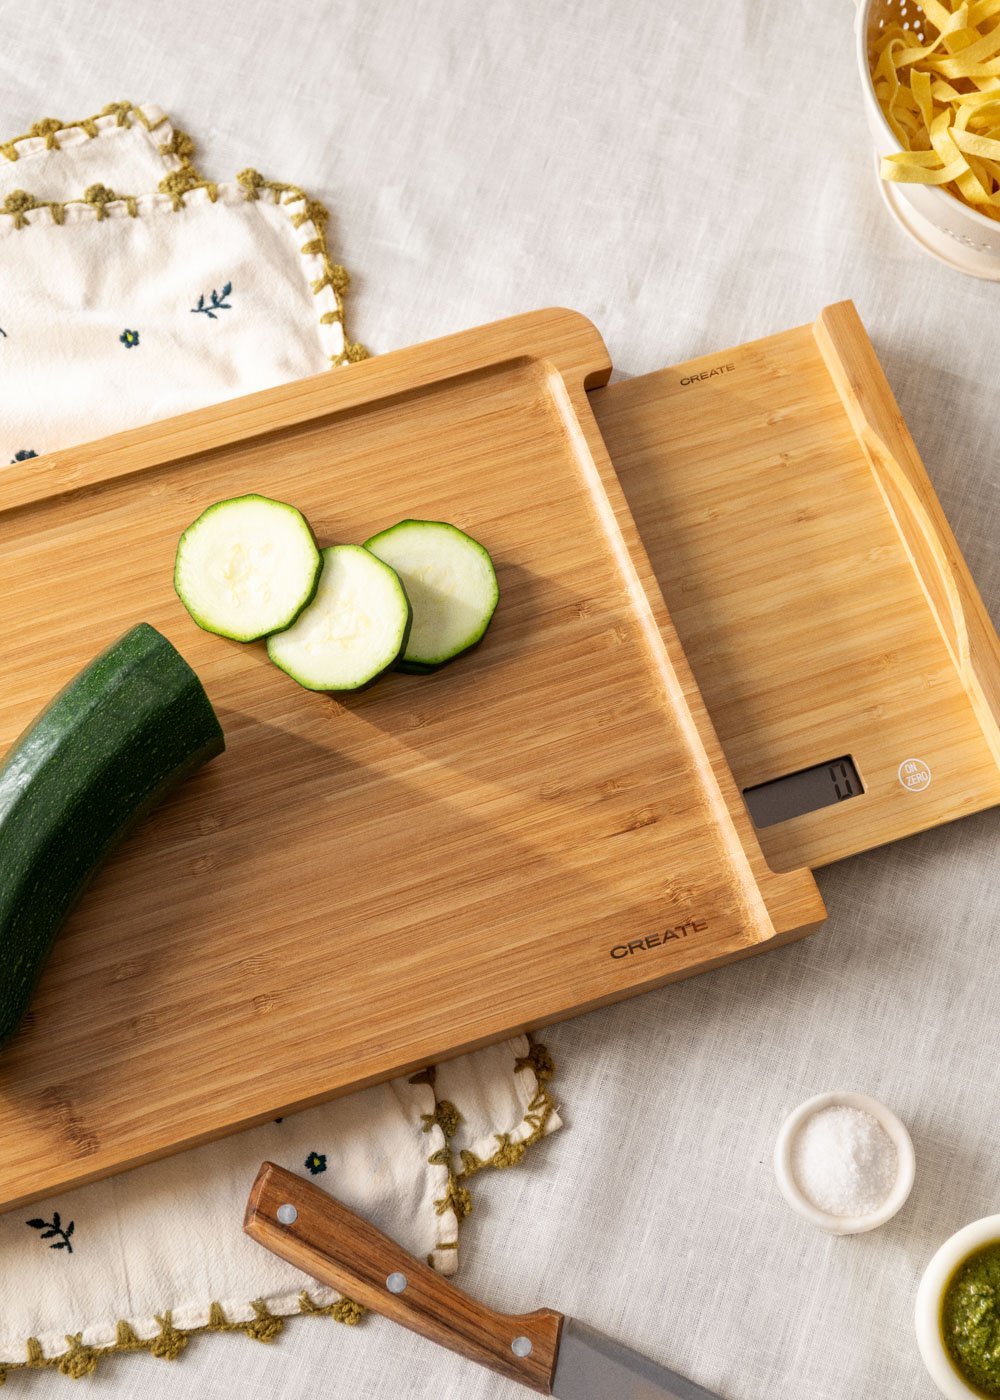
(941, 97)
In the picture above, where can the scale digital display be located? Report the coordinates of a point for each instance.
(805, 791)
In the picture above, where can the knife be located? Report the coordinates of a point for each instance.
(552, 1354)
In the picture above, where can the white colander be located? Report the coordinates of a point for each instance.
(941, 224)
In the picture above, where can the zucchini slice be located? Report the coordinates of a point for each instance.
(247, 567)
(451, 583)
(96, 760)
(354, 629)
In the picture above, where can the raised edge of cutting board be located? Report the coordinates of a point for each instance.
(363, 885)
(819, 593)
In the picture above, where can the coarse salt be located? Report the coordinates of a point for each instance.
(844, 1161)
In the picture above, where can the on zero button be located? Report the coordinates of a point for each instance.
(914, 775)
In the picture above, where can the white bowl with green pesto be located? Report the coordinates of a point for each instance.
(957, 1314)
(844, 1162)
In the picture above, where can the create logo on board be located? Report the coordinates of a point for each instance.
(657, 940)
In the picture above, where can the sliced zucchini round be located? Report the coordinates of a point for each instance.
(247, 567)
(354, 629)
(451, 584)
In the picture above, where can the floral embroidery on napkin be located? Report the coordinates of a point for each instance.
(217, 303)
(52, 1228)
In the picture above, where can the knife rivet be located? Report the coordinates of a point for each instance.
(396, 1283)
(287, 1214)
(521, 1346)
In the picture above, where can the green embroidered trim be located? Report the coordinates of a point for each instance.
(100, 195)
(172, 143)
(457, 1197)
(79, 1359)
(311, 219)
(334, 275)
(539, 1111)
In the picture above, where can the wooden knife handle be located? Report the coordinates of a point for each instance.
(338, 1248)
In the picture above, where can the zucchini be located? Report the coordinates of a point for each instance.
(247, 567)
(451, 583)
(93, 763)
(354, 629)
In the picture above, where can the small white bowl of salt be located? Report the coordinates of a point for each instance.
(845, 1162)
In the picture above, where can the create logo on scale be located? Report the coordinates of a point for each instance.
(707, 374)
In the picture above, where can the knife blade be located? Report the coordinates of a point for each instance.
(590, 1366)
(552, 1354)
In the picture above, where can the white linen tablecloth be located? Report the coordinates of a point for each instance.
(689, 177)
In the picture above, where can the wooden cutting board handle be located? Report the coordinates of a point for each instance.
(337, 1247)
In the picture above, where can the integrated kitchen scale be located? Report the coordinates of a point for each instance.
(736, 640)
(839, 642)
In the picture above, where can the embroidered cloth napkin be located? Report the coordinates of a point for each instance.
(132, 289)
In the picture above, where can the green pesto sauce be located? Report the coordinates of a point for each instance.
(970, 1319)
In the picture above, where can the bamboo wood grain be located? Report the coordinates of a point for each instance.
(363, 885)
(345, 1252)
(920, 519)
(815, 585)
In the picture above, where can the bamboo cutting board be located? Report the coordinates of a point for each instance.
(363, 885)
